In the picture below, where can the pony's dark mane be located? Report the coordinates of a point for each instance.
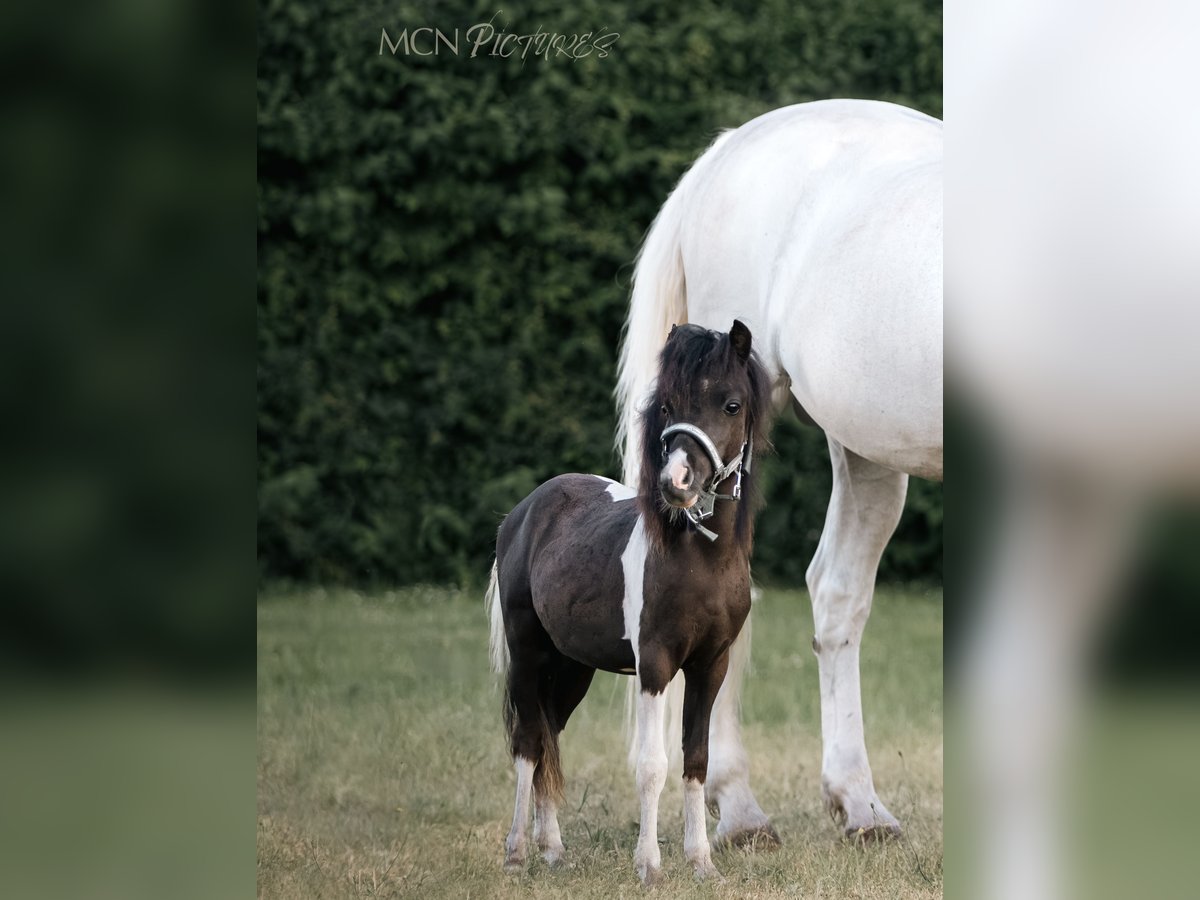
(690, 354)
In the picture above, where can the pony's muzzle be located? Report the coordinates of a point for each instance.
(676, 479)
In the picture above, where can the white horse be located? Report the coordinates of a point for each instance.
(820, 226)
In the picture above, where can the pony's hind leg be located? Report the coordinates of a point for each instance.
(570, 683)
(520, 709)
(545, 828)
(863, 511)
(529, 650)
(514, 845)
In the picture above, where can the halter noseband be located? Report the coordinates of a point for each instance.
(708, 496)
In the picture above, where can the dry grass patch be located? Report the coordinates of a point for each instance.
(383, 771)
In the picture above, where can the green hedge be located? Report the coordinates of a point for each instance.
(445, 245)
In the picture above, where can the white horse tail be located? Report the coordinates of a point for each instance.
(658, 301)
(497, 643)
(731, 692)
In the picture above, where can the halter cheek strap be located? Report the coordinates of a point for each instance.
(708, 496)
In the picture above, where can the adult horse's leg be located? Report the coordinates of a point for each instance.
(570, 684)
(703, 684)
(1062, 542)
(742, 822)
(863, 511)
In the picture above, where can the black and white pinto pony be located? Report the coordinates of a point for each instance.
(592, 575)
(820, 226)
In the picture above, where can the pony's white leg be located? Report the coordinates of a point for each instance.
(696, 849)
(863, 511)
(514, 847)
(651, 776)
(727, 786)
(545, 828)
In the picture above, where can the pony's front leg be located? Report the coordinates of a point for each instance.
(651, 776)
(703, 683)
(863, 512)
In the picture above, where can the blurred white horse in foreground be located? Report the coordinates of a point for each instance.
(1074, 211)
(820, 226)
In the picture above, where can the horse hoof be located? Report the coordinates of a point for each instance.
(555, 859)
(764, 837)
(873, 834)
(708, 872)
(862, 819)
(514, 863)
(650, 875)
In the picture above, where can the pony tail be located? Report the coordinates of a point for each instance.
(658, 301)
(497, 642)
(548, 779)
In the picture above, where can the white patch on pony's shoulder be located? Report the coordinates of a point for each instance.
(617, 490)
(633, 565)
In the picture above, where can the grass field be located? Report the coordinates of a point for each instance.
(383, 771)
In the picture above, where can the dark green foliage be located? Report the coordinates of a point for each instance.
(445, 246)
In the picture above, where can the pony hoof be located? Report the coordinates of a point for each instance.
(556, 859)
(514, 863)
(872, 834)
(764, 838)
(650, 875)
(708, 872)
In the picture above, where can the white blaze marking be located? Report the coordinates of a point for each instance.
(633, 564)
(617, 490)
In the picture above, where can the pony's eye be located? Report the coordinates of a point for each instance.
(663, 409)
(732, 408)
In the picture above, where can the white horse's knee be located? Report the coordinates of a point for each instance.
(833, 635)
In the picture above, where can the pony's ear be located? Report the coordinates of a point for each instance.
(671, 334)
(739, 337)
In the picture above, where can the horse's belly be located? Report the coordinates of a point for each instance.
(837, 270)
(859, 341)
(862, 334)
(577, 585)
(587, 626)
